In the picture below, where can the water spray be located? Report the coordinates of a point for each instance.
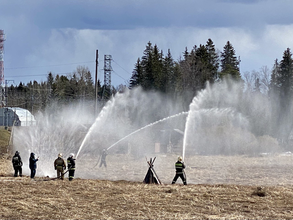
(214, 111)
(149, 125)
(100, 116)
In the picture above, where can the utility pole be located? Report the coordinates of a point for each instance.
(107, 70)
(107, 77)
(2, 91)
(96, 81)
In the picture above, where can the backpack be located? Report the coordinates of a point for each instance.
(16, 160)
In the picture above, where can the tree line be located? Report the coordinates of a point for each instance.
(184, 78)
(36, 96)
(179, 80)
(153, 71)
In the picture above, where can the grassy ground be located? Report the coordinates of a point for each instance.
(5, 166)
(4, 140)
(44, 198)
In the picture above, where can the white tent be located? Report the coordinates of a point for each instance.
(26, 118)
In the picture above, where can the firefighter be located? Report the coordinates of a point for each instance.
(60, 166)
(179, 166)
(33, 164)
(71, 166)
(103, 158)
(17, 164)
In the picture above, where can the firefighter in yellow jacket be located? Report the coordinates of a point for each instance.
(60, 166)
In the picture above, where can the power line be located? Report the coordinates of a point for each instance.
(31, 67)
(118, 75)
(27, 75)
(121, 67)
(43, 74)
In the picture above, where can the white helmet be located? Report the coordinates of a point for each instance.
(71, 154)
(60, 155)
(179, 158)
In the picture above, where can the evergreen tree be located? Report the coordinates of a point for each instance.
(282, 89)
(136, 78)
(285, 76)
(273, 87)
(158, 75)
(168, 72)
(229, 62)
(147, 82)
(151, 77)
(63, 90)
(190, 77)
(213, 60)
(73, 82)
(185, 54)
(50, 82)
(204, 72)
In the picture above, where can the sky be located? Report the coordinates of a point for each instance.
(58, 36)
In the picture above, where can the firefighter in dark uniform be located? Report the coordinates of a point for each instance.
(33, 164)
(71, 166)
(179, 166)
(60, 166)
(17, 164)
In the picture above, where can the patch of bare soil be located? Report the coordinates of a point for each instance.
(44, 198)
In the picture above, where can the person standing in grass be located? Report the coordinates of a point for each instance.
(60, 166)
(33, 164)
(17, 164)
(71, 166)
(179, 166)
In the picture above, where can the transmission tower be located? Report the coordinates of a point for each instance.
(107, 70)
(2, 82)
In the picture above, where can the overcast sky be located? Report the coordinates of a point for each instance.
(56, 36)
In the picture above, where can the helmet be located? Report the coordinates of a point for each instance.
(71, 155)
(179, 158)
(60, 155)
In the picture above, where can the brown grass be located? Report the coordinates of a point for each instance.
(22, 198)
(4, 140)
(43, 198)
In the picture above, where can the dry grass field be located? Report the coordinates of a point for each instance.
(207, 197)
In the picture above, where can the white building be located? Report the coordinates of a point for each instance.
(26, 118)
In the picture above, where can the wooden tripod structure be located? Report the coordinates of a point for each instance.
(151, 176)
